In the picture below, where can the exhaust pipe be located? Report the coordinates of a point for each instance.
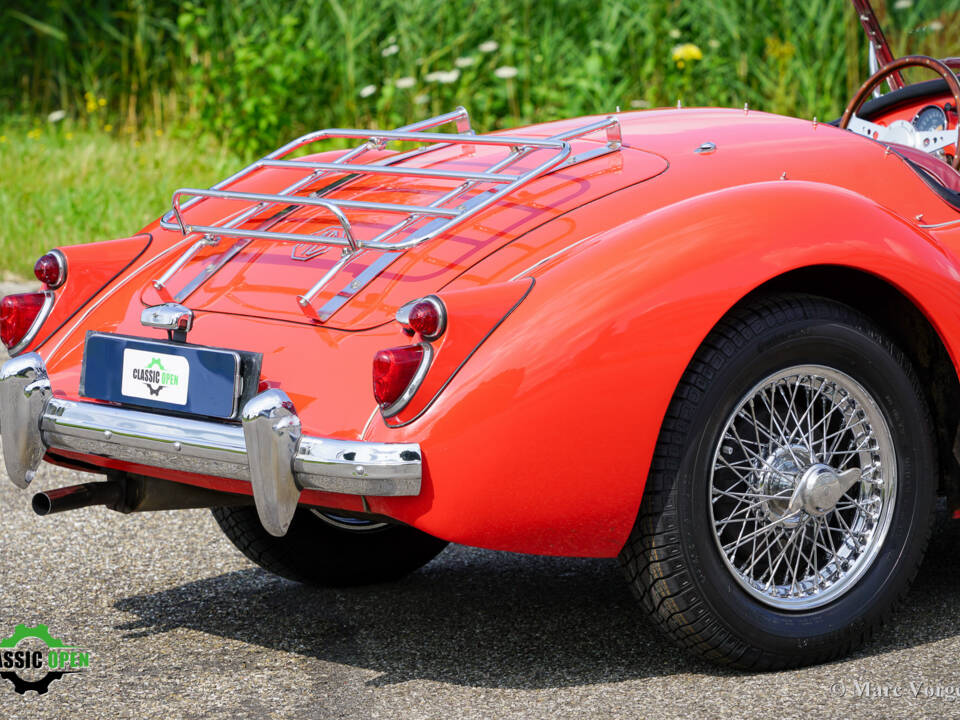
(77, 496)
(134, 493)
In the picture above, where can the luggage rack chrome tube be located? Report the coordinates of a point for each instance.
(444, 216)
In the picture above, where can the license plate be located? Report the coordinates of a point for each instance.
(180, 377)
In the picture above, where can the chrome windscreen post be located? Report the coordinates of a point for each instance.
(24, 392)
(271, 430)
(873, 64)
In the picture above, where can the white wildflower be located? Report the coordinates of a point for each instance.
(421, 99)
(506, 72)
(935, 26)
(713, 43)
(638, 104)
(463, 62)
(674, 33)
(56, 116)
(489, 46)
(390, 50)
(442, 76)
(367, 90)
(902, 4)
(405, 83)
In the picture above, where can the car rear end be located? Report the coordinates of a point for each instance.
(252, 341)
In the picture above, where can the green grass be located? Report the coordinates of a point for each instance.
(62, 188)
(251, 72)
(249, 75)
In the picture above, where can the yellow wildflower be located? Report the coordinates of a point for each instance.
(3, 138)
(34, 134)
(68, 136)
(91, 106)
(101, 102)
(780, 50)
(158, 132)
(686, 52)
(108, 128)
(88, 95)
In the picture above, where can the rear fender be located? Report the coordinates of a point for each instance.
(91, 267)
(472, 315)
(543, 441)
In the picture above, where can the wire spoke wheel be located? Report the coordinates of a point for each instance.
(791, 494)
(802, 487)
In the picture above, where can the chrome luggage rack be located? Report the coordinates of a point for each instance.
(444, 216)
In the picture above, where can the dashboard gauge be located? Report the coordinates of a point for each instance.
(930, 119)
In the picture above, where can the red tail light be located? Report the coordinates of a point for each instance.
(427, 316)
(394, 371)
(51, 269)
(17, 315)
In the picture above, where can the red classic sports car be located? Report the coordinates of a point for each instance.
(718, 344)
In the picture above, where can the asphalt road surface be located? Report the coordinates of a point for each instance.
(179, 625)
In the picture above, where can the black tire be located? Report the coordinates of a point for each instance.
(673, 558)
(317, 552)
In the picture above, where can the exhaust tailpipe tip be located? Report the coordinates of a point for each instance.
(41, 504)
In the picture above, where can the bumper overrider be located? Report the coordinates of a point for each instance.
(267, 449)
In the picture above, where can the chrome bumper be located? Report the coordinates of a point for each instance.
(267, 449)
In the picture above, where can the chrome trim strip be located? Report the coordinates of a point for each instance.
(401, 402)
(949, 223)
(585, 156)
(161, 282)
(304, 300)
(37, 323)
(548, 258)
(353, 287)
(210, 270)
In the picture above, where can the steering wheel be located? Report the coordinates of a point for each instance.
(901, 131)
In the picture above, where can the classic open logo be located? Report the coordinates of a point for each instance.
(155, 376)
(31, 659)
